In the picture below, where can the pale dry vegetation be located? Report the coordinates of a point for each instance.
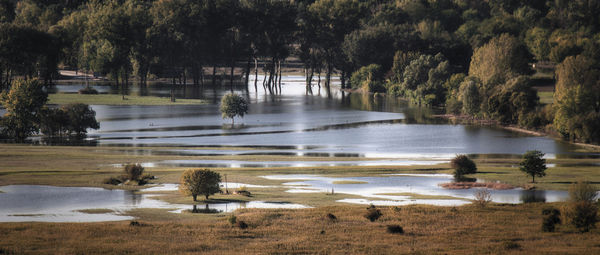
(427, 230)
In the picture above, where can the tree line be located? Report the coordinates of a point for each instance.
(472, 57)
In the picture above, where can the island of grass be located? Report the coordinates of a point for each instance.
(112, 99)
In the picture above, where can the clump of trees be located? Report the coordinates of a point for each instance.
(533, 164)
(196, 182)
(71, 119)
(27, 114)
(472, 57)
(233, 105)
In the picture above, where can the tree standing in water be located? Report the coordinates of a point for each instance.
(233, 105)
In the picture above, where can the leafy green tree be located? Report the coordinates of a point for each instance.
(335, 19)
(533, 164)
(53, 122)
(469, 96)
(23, 103)
(512, 100)
(462, 165)
(369, 78)
(199, 182)
(499, 60)
(536, 40)
(81, 117)
(577, 99)
(423, 79)
(233, 105)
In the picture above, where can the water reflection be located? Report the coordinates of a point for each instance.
(352, 123)
(533, 196)
(395, 189)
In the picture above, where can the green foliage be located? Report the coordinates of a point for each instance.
(469, 95)
(233, 105)
(423, 79)
(577, 99)
(582, 209)
(499, 60)
(53, 121)
(512, 100)
(533, 164)
(462, 165)
(536, 40)
(199, 182)
(368, 78)
(81, 117)
(23, 103)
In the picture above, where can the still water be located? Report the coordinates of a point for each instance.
(303, 125)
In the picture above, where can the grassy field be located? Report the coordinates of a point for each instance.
(496, 229)
(109, 99)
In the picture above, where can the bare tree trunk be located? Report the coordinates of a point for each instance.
(247, 74)
(255, 75)
(328, 80)
(214, 75)
(231, 75)
(279, 82)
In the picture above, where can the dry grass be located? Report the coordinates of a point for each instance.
(496, 229)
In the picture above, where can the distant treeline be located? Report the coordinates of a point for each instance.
(472, 56)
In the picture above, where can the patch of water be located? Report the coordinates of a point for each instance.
(264, 164)
(384, 187)
(30, 203)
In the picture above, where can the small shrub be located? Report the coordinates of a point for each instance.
(88, 91)
(552, 217)
(482, 198)
(232, 219)
(112, 181)
(373, 213)
(462, 165)
(331, 217)
(242, 225)
(395, 229)
(582, 210)
(510, 245)
(133, 171)
(134, 223)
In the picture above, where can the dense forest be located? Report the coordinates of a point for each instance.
(481, 58)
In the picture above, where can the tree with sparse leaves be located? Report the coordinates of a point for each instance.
(199, 182)
(233, 105)
(534, 164)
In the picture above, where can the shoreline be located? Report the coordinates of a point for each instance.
(465, 119)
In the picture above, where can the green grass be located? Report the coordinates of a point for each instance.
(96, 211)
(546, 97)
(108, 99)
